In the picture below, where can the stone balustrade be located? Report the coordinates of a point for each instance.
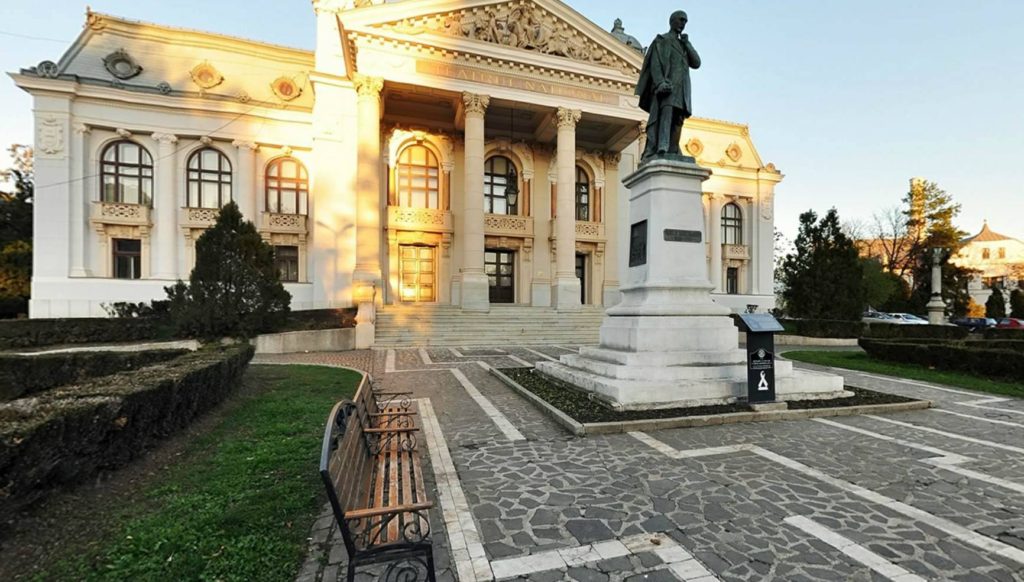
(736, 252)
(419, 219)
(508, 225)
(284, 223)
(199, 217)
(120, 213)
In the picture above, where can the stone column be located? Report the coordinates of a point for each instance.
(165, 207)
(936, 306)
(715, 238)
(565, 288)
(80, 206)
(367, 275)
(475, 289)
(245, 192)
(368, 221)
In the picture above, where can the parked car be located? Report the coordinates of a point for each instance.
(1010, 323)
(908, 319)
(878, 317)
(975, 324)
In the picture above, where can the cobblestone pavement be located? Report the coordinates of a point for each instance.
(926, 495)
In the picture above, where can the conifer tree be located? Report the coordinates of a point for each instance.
(1017, 304)
(995, 307)
(823, 278)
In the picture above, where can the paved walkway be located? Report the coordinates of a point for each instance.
(927, 495)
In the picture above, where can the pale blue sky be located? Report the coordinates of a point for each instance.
(849, 98)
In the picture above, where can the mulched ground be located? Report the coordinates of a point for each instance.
(586, 409)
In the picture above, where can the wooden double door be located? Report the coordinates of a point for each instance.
(500, 266)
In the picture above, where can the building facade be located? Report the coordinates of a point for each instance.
(428, 151)
(996, 259)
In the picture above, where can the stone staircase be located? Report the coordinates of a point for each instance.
(504, 325)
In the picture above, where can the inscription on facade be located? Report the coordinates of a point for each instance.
(686, 236)
(464, 73)
(638, 244)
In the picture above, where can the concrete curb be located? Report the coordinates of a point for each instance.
(581, 429)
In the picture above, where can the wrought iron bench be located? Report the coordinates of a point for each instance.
(374, 482)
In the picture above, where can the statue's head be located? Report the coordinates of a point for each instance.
(678, 21)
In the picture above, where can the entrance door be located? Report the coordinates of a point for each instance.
(581, 274)
(417, 274)
(500, 269)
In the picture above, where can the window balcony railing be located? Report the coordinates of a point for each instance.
(284, 223)
(121, 213)
(736, 252)
(419, 219)
(199, 217)
(508, 225)
(590, 231)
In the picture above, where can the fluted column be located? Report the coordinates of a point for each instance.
(165, 208)
(475, 290)
(245, 195)
(368, 192)
(80, 206)
(566, 287)
(715, 238)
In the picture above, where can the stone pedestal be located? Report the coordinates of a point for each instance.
(667, 344)
(936, 306)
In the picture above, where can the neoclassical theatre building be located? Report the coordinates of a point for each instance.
(450, 152)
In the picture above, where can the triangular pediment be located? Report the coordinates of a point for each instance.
(539, 26)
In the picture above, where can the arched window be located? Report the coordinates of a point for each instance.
(501, 188)
(582, 195)
(418, 178)
(287, 186)
(209, 179)
(126, 172)
(732, 225)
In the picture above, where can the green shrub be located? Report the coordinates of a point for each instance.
(897, 331)
(1017, 304)
(316, 319)
(27, 333)
(1004, 334)
(997, 363)
(66, 435)
(234, 289)
(22, 376)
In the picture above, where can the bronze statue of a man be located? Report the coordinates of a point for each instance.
(664, 88)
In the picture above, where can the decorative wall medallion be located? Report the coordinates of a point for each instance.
(47, 69)
(51, 136)
(243, 97)
(286, 88)
(164, 88)
(767, 208)
(734, 152)
(121, 65)
(694, 147)
(206, 76)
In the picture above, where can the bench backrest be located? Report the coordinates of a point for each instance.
(345, 463)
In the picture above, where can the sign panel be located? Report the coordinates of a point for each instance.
(760, 376)
(760, 323)
(686, 236)
(638, 244)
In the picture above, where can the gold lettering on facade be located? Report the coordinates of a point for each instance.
(498, 80)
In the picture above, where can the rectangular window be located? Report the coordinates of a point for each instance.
(986, 254)
(732, 281)
(286, 259)
(1002, 253)
(127, 258)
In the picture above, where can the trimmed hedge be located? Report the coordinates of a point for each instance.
(1004, 334)
(318, 319)
(27, 333)
(898, 331)
(998, 363)
(827, 328)
(22, 376)
(66, 435)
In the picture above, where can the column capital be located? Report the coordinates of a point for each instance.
(568, 118)
(81, 128)
(243, 144)
(475, 103)
(165, 138)
(612, 159)
(367, 86)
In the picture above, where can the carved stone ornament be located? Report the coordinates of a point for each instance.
(95, 21)
(734, 152)
(206, 76)
(767, 207)
(243, 97)
(695, 147)
(367, 86)
(568, 118)
(164, 88)
(47, 69)
(286, 89)
(51, 136)
(519, 25)
(475, 103)
(121, 65)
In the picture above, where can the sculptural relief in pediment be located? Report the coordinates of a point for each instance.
(520, 25)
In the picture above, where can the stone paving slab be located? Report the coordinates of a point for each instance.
(738, 515)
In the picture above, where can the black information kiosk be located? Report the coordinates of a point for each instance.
(760, 329)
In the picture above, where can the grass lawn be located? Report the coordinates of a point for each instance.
(863, 363)
(239, 502)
